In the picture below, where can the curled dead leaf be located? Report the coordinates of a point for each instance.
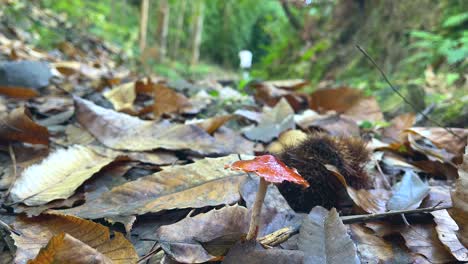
(18, 126)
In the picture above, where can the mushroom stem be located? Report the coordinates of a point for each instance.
(256, 209)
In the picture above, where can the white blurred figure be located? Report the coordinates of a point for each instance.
(245, 57)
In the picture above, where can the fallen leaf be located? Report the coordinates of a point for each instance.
(422, 239)
(200, 184)
(125, 132)
(212, 124)
(272, 123)
(446, 231)
(186, 240)
(18, 126)
(167, 100)
(234, 142)
(366, 109)
(324, 239)
(338, 99)
(122, 97)
(157, 157)
(459, 212)
(64, 248)
(397, 126)
(371, 248)
(56, 177)
(37, 231)
(251, 252)
(18, 92)
(291, 84)
(445, 140)
(336, 125)
(268, 94)
(408, 193)
(372, 201)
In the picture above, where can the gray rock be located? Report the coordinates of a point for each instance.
(27, 74)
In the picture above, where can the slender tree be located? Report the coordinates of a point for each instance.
(197, 32)
(163, 28)
(143, 24)
(179, 28)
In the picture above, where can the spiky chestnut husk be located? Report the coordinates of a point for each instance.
(349, 155)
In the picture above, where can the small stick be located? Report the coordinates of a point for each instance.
(399, 94)
(13, 160)
(155, 249)
(8, 228)
(283, 234)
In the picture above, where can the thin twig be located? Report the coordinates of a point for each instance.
(13, 161)
(399, 94)
(8, 228)
(283, 234)
(156, 248)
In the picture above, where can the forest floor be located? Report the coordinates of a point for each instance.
(99, 162)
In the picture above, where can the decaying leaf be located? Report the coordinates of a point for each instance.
(422, 239)
(18, 92)
(58, 176)
(398, 125)
(252, 252)
(273, 122)
(122, 97)
(186, 241)
(339, 99)
(445, 140)
(167, 100)
(125, 132)
(366, 109)
(446, 230)
(371, 201)
(323, 238)
(18, 126)
(200, 184)
(408, 193)
(371, 248)
(69, 236)
(459, 212)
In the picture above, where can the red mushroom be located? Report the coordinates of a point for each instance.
(270, 169)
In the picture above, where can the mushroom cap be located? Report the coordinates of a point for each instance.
(270, 168)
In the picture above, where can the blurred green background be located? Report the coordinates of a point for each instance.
(422, 45)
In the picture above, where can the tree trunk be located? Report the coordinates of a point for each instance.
(143, 24)
(163, 28)
(179, 28)
(197, 32)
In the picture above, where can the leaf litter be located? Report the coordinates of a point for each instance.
(98, 151)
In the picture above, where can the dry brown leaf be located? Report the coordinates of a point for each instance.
(269, 94)
(157, 157)
(64, 248)
(366, 109)
(372, 249)
(58, 176)
(125, 132)
(446, 230)
(422, 239)
(122, 97)
(339, 99)
(18, 126)
(324, 239)
(445, 140)
(194, 239)
(398, 125)
(18, 92)
(37, 231)
(200, 184)
(459, 212)
(212, 124)
(371, 201)
(168, 101)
